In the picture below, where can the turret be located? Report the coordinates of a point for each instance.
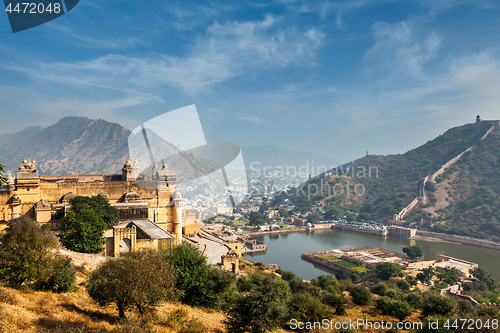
(177, 217)
(127, 173)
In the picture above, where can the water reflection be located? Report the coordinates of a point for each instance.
(285, 249)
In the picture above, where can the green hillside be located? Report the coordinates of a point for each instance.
(470, 204)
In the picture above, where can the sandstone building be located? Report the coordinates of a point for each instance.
(152, 198)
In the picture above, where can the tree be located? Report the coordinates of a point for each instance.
(426, 274)
(304, 307)
(199, 283)
(435, 304)
(344, 274)
(360, 295)
(403, 285)
(386, 270)
(109, 214)
(142, 279)
(82, 231)
(394, 308)
(315, 215)
(430, 186)
(336, 301)
(262, 309)
(257, 218)
(413, 252)
(483, 275)
(28, 259)
(450, 275)
(350, 217)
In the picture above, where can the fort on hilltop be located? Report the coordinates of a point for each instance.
(151, 214)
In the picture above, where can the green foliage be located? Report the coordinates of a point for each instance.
(257, 218)
(360, 295)
(142, 279)
(386, 270)
(344, 274)
(199, 283)
(83, 227)
(430, 186)
(450, 275)
(304, 307)
(393, 308)
(435, 304)
(403, 285)
(383, 289)
(28, 259)
(83, 231)
(325, 282)
(413, 252)
(100, 206)
(261, 309)
(336, 301)
(415, 299)
(62, 278)
(300, 286)
(411, 280)
(426, 274)
(483, 275)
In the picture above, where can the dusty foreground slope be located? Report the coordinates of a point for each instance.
(77, 312)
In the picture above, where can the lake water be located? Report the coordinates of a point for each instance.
(285, 249)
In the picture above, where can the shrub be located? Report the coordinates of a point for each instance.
(435, 304)
(413, 252)
(326, 282)
(403, 285)
(28, 259)
(335, 301)
(301, 286)
(263, 308)
(199, 283)
(305, 307)
(383, 289)
(142, 279)
(386, 270)
(415, 299)
(63, 276)
(393, 308)
(360, 295)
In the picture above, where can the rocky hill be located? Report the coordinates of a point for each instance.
(77, 145)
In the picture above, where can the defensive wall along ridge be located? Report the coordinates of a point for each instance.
(422, 198)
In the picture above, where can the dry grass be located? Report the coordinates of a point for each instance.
(77, 312)
(44, 312)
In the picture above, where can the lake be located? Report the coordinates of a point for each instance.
(285, 249)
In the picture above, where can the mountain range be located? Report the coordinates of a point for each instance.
(78, 145)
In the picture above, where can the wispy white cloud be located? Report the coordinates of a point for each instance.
(225, 51)
(255, 120)
(82, 40)
(398, 51)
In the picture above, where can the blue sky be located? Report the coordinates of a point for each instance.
(335, 78)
